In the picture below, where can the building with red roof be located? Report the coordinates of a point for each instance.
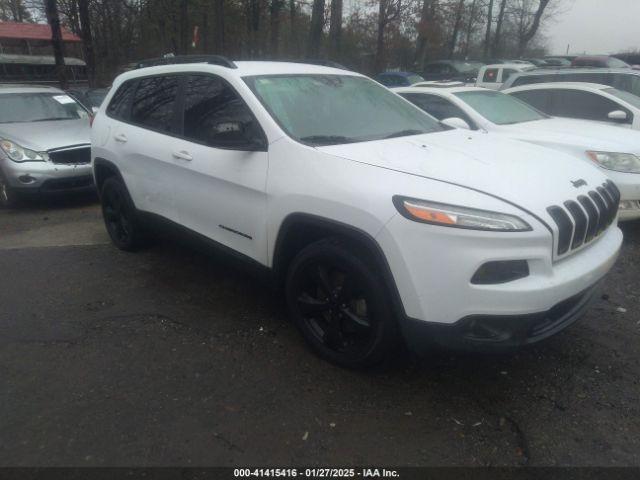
(34, 39)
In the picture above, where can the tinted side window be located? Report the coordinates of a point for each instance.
(154, 103)
(438, 107)
(577, 104)
(507, 72)
(527, 80)
(536, 98)
(121, 101)
(490, 75)
(215, 115)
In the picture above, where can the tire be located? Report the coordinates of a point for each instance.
(8, 196)
(120, 217)
(340, 305)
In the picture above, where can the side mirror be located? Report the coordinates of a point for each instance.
(237, 135)
(617, 116)
(95, 110)
(455, 122)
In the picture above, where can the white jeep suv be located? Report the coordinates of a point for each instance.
(379, 222)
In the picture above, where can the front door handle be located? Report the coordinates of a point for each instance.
(121, 138)
(182, 155)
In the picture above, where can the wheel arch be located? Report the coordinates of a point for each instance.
(103, 169)
(301, 229)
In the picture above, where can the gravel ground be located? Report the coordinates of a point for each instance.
(174, 357)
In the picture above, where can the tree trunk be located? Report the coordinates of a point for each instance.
(487, 38)
(423, 28)
(456, 29)
(529, 34)
(274, 14)
(380, 63)
(497, 38)
(335, 29)
(219, 11)
(87, 40)
(184, 27)
(53, 18)
(293, 32)
(472, 18)
(315, 32)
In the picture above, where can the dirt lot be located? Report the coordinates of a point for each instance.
(171, 357)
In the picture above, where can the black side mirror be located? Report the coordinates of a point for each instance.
(237, 135)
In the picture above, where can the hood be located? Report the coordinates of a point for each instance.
(44, 136)
(587, 135)
(526, 175)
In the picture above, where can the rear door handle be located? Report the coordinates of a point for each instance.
(182, 155)
(121, 138)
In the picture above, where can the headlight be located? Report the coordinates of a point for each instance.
(19, 154)
(460, 217)
(620, 162)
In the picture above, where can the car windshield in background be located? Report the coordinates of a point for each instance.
(499, 108)
(415, 79)
(465, 67)
(626, 96)
(336, 109)
(39, 107)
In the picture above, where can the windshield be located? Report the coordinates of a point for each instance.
(336, 109)
(499, 108)
(39, 107)
(626, 96)
(415, 79)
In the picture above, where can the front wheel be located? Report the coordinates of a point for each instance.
(340, 305)
(8, 196)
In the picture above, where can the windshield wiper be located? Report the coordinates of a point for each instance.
(55, 119)
(327, 139)
(405, 133)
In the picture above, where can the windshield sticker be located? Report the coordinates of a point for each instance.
(64, 99)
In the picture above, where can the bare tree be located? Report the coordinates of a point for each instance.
(388, 12)
(219, 32)
(335, 28)
(529, 22)
(87, 40)
(53, 18)
(459, 9)
(495, 49)
(274, 16)
(470, 24)
(427, 13)
(487, 38)
(315, 32)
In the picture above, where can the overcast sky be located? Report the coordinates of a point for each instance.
(596, 26)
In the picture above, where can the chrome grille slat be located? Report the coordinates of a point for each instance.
(580, 221)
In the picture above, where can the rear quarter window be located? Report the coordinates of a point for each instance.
(490, 75)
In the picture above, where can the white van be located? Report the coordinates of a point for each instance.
(493, 76)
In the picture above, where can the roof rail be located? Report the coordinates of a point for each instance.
(320, 62)
(180, 59)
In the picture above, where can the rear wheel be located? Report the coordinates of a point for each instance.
(340, 305)
(8, 196)
(120, 216)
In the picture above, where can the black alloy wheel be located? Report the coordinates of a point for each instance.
(340, 305)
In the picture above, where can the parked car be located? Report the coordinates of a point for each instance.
(557, 62)
(398, 79)
(44, 142)
(337, 187)
(538, 62)
(91, 98)
(627, 80)
(452, 70)
(587, 101)
(601, 61)
(615, 150)
(493, 76)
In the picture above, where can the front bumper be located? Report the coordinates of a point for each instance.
(44, 177)
(496, 333)
(433, 266)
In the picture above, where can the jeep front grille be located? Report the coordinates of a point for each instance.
(582, 220)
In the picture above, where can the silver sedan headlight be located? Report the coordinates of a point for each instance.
(20, 154)
(619, 162)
